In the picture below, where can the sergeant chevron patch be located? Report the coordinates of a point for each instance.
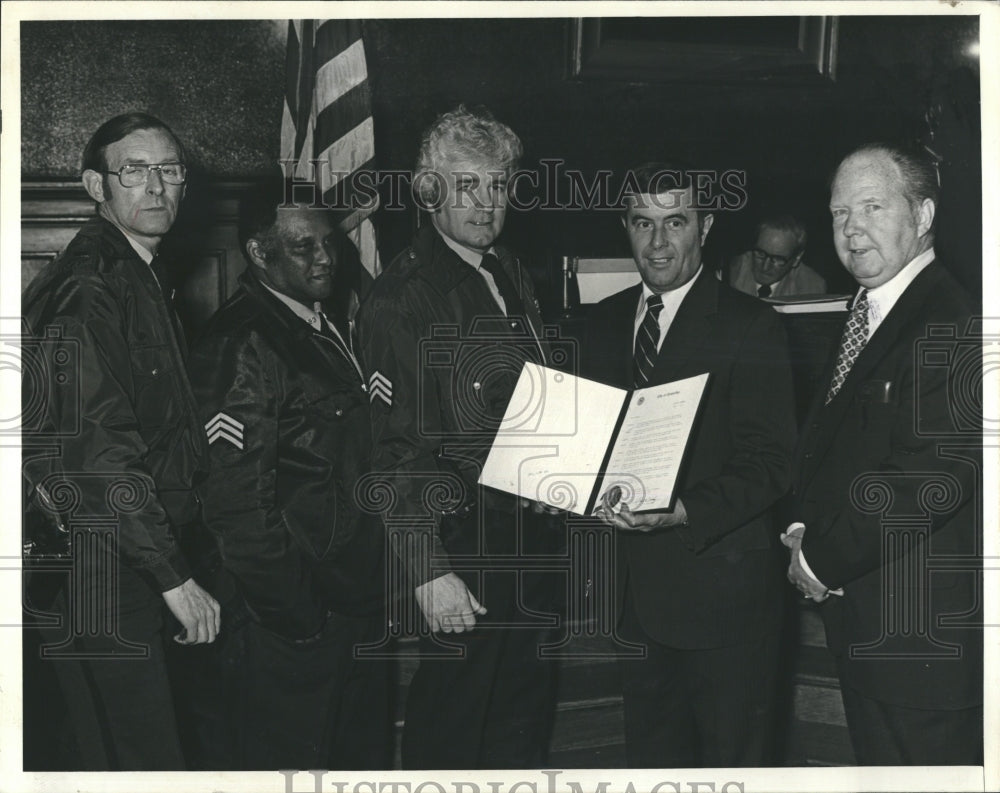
(224, 428)
(380, 386)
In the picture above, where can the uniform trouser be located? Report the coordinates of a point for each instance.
(303, 705)
(706, 708)
(884, 734)
(117, 694)
(491, 708)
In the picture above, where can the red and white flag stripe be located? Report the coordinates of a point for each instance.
(327, 125)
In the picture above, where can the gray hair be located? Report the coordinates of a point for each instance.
(784, 221)
(463, 134)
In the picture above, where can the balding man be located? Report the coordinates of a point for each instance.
(887, 482)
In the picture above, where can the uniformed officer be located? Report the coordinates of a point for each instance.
(445, 333)
(285, 409)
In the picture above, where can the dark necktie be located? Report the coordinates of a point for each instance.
(646, 340)
(161, 270)
(511, 299)
(851, 343)
(764, 290)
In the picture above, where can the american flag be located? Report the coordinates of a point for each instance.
(326, 128)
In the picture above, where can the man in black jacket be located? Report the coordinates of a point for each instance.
(445, 331)
(285, 410)
(128, 442)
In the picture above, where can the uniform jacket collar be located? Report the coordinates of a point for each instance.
(440, 266)
(291, 324)
(883, 342)
(277, 310)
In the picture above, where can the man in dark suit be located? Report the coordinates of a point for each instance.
(698, 586)
(285, 408)
(888, 475)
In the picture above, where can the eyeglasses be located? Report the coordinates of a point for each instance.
(771, 258)
(133, 175)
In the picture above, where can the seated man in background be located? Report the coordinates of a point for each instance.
(286, 411)
(774, 267)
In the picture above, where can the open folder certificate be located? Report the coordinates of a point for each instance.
(566, 441)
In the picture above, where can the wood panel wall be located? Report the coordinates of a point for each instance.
(204, 241)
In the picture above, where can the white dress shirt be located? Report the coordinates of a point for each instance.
(314, 317)
(475, 260)
(671, 303)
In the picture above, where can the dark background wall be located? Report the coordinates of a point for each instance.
(220, 85)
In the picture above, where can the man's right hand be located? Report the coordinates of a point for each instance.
(196, 610)
(448, 605)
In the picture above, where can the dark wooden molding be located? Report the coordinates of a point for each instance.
(808, 58)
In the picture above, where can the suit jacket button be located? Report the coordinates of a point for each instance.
(339, 412)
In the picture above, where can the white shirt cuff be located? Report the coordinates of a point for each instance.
(808, 571)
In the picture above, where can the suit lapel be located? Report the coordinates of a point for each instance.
(881, 344)
(689, 330)
(619, 333)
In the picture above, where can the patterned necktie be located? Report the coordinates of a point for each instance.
(764, 290)
(511, 299)
(646, 340)
(851, 343)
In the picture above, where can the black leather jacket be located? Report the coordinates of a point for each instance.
(280, 495)
(434, 334)
(113, 429)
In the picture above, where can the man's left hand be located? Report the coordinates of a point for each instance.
(808, 586)
(539, 508)
(627, 520)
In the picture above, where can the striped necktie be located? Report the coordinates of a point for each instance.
(646, 340)
(851, 343)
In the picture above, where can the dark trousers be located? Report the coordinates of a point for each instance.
(698, 708)
(492, 707)
(884, 734)
(302, 705)
(116, 689)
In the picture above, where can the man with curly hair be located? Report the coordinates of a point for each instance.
(481, 699)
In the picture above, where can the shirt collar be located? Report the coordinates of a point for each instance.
(467, 255)
(882, 298)
(144, 253)
(671, 299)
(309, 315)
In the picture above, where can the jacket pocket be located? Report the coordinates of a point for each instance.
(152, 379)
(316, 544)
